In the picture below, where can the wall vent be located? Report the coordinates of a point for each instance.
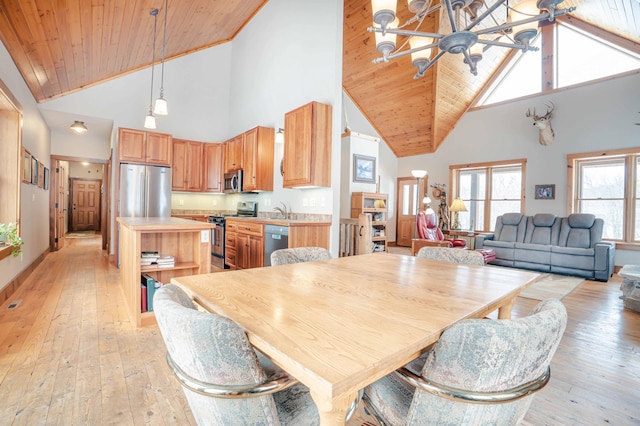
(14, 304)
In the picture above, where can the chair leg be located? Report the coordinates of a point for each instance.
(368, 405)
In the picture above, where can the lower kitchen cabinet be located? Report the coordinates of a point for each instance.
(248, 244)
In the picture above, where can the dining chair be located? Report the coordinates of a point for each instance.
(299, 255)
(470, 257)
(224, 379)
(479, 372)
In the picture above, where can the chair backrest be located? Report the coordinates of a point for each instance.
(580, 230)
(299, 255)
(213, 349)
(542, 228)
(427, 223)
(510, 227)
(489, 355)
(470, 257)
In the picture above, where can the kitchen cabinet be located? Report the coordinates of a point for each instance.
(307, 146)
(230, 236)
(258, 159)
(183, 239)
(376, 205)
(249, 244)
(212, 181)
(140, 147)
(233, 152)
(186, 169)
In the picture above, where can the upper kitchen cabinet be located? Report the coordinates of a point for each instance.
(307, 146)
(258, 159)
(233, 152)
(137, 146)
(186, 173)
(212, 167)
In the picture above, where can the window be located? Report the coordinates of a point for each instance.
(608, 187)
(10, 159)
(488, 190)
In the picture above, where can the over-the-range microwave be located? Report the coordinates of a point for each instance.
(233, 182)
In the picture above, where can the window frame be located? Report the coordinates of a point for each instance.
(489, 167)
(631, 158)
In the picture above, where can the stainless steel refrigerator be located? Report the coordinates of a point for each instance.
(145, 191)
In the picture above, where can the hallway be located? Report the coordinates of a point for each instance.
(69, 355)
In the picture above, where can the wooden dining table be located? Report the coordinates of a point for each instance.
(338, 325)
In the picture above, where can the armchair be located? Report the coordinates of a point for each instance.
(430, 235)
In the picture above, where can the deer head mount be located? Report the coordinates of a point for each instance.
(543, 123)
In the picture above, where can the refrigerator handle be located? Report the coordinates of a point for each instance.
(146, 194)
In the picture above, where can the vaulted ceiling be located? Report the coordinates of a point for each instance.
(61, 46)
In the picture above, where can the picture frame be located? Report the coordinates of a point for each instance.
(364, 168)
(546, 192)
(34, 170)
(40, 174)
(26, 166)
(46, 178)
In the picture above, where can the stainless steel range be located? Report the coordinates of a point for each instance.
(244, 209)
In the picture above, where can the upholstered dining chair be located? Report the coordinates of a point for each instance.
(470, 257)
(299, 255)
(224, 379)
(480, 372)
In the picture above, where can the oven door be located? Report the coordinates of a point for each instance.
(217, 241)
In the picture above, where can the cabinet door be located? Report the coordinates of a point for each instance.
(307, 146)
(212, 167)
(250, 160)
(193, 164)
(131, 145)
(158, 149)
(178, 166)
(233, 154)
(256, 252)
(243, 255)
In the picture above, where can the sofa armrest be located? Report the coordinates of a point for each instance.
(481, 238)
(605, 253)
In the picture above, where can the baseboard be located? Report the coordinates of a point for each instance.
(14, 284)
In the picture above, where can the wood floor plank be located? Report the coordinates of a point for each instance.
(69, 354)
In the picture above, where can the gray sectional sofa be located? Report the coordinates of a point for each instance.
(544, 242)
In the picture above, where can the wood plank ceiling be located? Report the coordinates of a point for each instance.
(61, 46)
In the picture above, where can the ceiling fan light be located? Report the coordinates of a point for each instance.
(161, 106)
(384, 11)
(78, 127)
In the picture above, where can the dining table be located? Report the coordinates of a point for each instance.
(338, 325)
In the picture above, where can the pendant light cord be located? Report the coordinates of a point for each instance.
(154, 13)
(164, 41)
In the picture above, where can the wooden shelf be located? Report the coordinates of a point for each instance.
(177, 266)
(368, 202)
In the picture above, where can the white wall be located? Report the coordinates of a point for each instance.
(34, 201)
(595, 117)
(85, 171)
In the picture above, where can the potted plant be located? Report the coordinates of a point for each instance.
(9, 237)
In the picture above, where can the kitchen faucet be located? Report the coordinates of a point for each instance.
(282, 210)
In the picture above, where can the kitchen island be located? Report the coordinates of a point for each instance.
(187, 241)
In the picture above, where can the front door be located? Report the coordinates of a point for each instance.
(409, 199)
(85, 204)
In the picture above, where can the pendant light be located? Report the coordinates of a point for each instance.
(161, 107)
(150, 120)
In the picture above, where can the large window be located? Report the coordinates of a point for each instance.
(608, 187)
(488, 190)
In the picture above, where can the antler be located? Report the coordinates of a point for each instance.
(550, 108)
(529, 112)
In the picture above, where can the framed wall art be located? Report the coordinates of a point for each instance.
(364, 168)
(46, 178)
(546, 192)
(34, 170)
(26, 166)
(40, 174)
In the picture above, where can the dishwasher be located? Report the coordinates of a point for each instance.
(276, 238)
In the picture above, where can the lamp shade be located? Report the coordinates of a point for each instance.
(279, 135)
(458, 206)
(161, 107)
(78, 127)
(525, 32)
(150, 121)
(418, 174)
(426, 200)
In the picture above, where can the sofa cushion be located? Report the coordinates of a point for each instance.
(572, 257)
(581, 230)
(581, 220)
(542, 228)
(510, 227)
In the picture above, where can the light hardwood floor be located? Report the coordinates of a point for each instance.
(70, 355)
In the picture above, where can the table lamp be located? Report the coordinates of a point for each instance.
(457, 206)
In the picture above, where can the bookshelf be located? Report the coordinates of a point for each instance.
(376, 205)
(187, 241)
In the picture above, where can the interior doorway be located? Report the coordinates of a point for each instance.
(409, 199)
(85, 204)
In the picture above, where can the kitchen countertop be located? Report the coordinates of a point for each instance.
(280, 222)
(162, 223)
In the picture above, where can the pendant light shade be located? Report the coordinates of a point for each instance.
(150, 121)
(78, 127)
(161, 107)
